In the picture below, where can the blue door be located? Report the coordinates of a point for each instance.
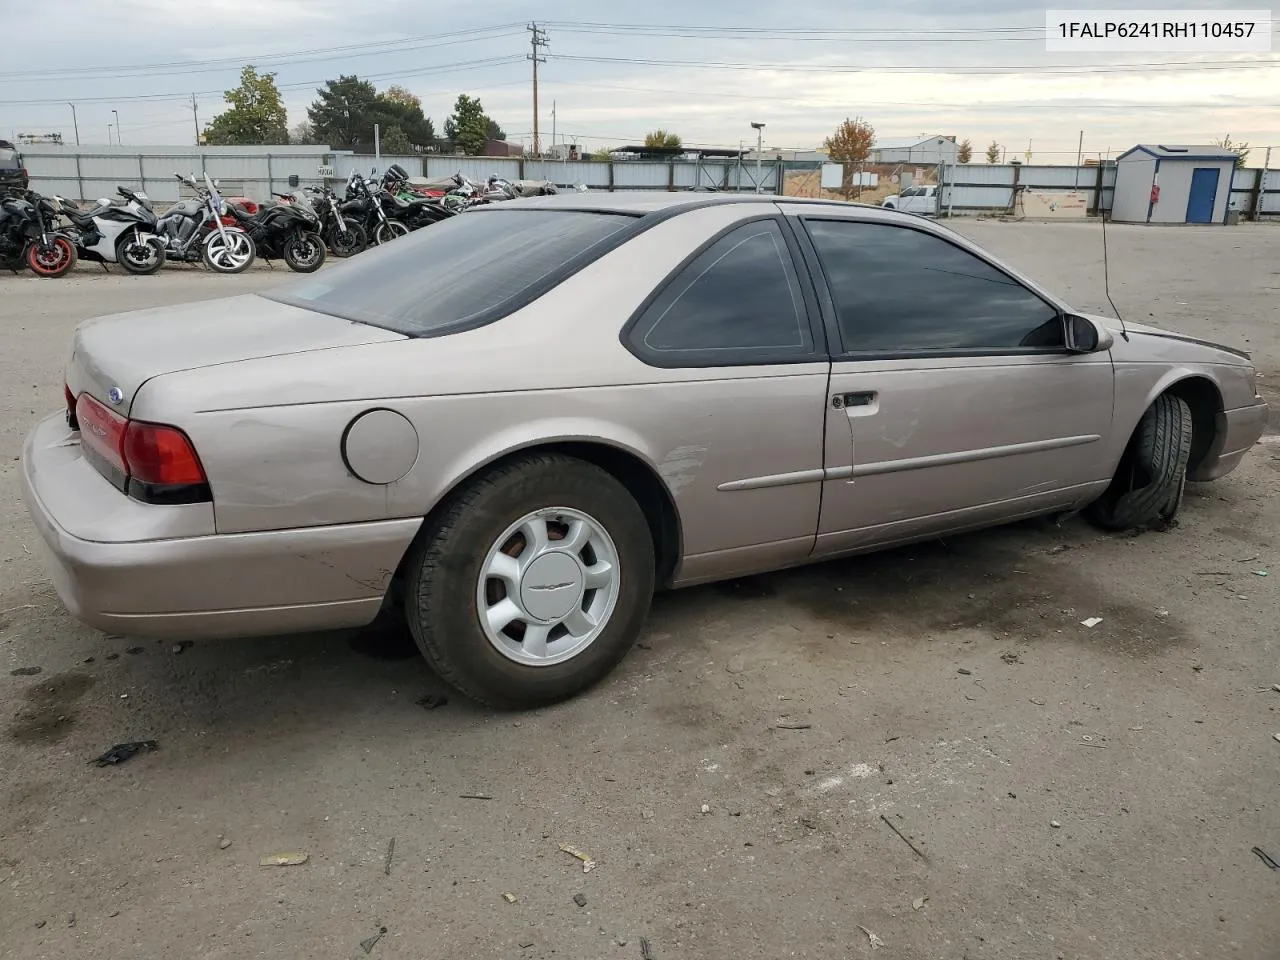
(1204, 190)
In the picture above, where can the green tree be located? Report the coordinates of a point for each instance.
(395, 141)
(964, 152)
(470, 126)
(662, 139)
(345, 111)
(993, 152)
(604, 153)
(849, 146)
(1241, 150)
(342, 113)
(256, 114)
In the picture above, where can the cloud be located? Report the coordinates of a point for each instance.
(909, 85)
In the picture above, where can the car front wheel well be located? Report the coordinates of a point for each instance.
(1202, 396)
(641, 481)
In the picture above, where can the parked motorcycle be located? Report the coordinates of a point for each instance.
(364, 203)
(28, 236)
(289, 231)
(344, 236)
(401, 202)
(197, 229)
(115, 232)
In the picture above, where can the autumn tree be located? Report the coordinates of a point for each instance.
(398, 94)
(964, 152)
(662, 139)
(1241, 150)
(993, 152)
(850, 145)
(256, 114)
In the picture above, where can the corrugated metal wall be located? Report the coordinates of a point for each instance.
(969, 189)
(256, 172)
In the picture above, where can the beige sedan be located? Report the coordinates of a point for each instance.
(514, 425)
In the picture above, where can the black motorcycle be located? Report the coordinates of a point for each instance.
(29, 236)
(366, 202)
(287, 231)
(344, 236)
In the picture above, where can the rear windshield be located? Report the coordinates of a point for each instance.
(10, 159)
(461, 272)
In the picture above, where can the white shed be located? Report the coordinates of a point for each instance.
(1156, 183)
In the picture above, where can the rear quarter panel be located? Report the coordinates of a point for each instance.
(268, 431)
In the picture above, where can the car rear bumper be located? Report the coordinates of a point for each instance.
(1237, 431)
(160, 571)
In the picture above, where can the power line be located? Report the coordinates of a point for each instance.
(1053, 69)
(948, 105)
(391, 75)
(379, 46)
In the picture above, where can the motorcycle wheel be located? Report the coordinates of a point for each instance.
(348, 244)
(53, 262)
(304, 252)
(388, 231)
(234, 255)
(140, 257)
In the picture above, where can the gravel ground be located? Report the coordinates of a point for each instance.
(1071, 792)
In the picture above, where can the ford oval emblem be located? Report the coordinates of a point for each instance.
(115, 395)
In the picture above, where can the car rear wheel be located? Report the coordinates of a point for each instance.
(1147, 488)
(532, 583)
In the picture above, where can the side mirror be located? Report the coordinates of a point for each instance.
(1087, 336)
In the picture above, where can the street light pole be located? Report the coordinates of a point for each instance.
(74, 122)
(119, 139)
(109, 134)
(759, 129)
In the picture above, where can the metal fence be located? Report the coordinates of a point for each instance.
(978, 189)
(86, 175)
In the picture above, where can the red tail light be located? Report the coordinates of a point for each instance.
(151, 462)
(71, 407)
(160, 455)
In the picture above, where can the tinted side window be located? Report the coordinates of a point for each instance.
(899, 290)
(738, 301)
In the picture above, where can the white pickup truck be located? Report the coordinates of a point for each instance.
(922, 200)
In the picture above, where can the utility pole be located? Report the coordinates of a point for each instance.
(553, 126)
(195, 118)
(538, 38)
(1079, 158)
(75, 123)
(759, 128)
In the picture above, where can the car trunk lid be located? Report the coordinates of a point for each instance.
(114, 356)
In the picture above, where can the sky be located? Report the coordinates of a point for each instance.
(975, 69)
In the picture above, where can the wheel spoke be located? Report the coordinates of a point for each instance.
(578, 537)
(502, 614)
(507, 569)
(536, 538)
(579, 623)
(599, 575)
(535, 639)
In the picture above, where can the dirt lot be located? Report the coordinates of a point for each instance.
(1073, 792)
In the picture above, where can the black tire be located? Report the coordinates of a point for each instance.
(1147, 488)
(304, 252)
(444, 568)
(348, 244)
(137, 267)
(388, 231)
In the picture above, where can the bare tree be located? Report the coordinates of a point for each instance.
(849, 145)
(1241, 150)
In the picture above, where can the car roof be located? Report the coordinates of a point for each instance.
(645, 202)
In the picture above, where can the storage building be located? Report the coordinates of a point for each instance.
(1156, 183)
